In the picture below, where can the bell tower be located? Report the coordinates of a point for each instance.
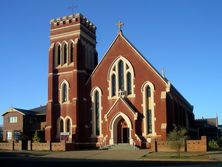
(72, 58)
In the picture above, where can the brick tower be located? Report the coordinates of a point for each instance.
(72, 58)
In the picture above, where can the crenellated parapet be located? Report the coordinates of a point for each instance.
(73, 19)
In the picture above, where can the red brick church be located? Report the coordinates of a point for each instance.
(123, 99)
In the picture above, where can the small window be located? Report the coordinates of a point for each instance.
(9, 135)
(13, 119)
(17, 135)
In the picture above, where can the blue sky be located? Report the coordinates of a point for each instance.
(182, 36)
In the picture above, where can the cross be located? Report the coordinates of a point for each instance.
(163, 72)
(120, 24)
(72, 7)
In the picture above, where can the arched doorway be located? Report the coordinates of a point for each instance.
(120, 129)
(122, 132)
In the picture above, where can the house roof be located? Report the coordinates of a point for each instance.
(35, 111)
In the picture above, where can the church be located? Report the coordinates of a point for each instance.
(121, 99)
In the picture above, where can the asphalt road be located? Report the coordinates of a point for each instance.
(56, 162)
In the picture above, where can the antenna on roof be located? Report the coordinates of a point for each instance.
(72, 7)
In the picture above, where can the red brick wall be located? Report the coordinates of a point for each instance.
(197, 145)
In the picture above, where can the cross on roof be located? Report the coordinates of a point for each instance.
(120, 24)
(72, 7)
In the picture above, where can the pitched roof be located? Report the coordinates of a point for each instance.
(134, 48)
(35, 111)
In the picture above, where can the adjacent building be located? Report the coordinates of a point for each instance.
(21, 123)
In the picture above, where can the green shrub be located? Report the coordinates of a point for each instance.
(36, 138)
(212, 144)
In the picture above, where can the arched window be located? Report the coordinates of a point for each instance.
(122, 73)
(64, 92)
(65, 53)
(68, 125)
(113, 85)
(56, 54)
(129, 82)
(96, 112)
(61, 126)
(148, 108)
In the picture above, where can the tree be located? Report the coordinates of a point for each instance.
(36, 138)
(177, 138)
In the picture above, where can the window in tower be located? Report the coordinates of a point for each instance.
(64, 95)
(65, 53)
(71, 52)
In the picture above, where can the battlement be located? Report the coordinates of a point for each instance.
(73, 19)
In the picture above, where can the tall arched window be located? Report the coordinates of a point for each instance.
(129, 82)
(97, 109)
(124, 76)
(65, 53)
(148, 108)
(64, 92)
(68, 125)
(96, 112)
(113, 84)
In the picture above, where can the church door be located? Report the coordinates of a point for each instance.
(122, 132)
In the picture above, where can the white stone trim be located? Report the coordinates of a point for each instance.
(151, 107)
(92, 94)
(113, 127)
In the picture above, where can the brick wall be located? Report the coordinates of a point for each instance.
(167, 146)
(197, 145)
(11, 145)
(189, 146)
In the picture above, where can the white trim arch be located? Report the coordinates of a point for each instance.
(114, 70)
(94, 90)
(61, 92)
(148, 105)
(113, 127)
